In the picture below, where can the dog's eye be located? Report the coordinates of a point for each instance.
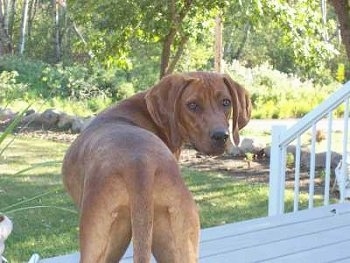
(226, 102)
(192, 106)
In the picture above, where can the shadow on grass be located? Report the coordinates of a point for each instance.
(222, 200)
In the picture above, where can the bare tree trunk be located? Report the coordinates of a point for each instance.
(6, 11)
(31, 16)
(176, 18)
(56, 37)
(243, 42)
(324, 19)
(218, 45)
(5, 40)
(10, 16)
(166, 52)
(342, 10)
(178, 54)
(24, 25)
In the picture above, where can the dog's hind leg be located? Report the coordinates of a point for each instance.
(104, 242)
(105, 228)
(176, 232)
(176, 221)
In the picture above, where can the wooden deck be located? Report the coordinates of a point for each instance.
(317, 235)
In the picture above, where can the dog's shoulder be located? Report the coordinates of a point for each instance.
(131, 111)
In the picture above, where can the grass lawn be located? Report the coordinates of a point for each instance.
(46, 221)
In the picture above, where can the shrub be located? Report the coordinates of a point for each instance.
(29, 73)
(10, 88)
(276, 94)
(75, 82)
(124, 91)
(47, 81)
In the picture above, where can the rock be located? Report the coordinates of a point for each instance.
(247, 145)
(267, 151)
(65, 121)
(34, 118)
(320, 159)
(250, 145)
(232, 149)
(6, 115)
(50, 117)
(87, 121)
(77, 125)
(28, 112)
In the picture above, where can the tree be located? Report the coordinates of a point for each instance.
(5, 40)
(24, 25)
(287, 34)
(168, 24)
(342, 10)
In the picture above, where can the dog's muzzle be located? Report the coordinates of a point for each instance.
(219, 137)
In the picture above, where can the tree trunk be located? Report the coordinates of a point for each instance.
(10, 17)
(5, 40)
(342, 10)
(178, 54)
(243, 42)
(56, 35)
(176, 18)
(23, 29)
(218, 45)
(31, 16)
(166, 52)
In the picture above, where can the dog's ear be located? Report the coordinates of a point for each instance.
(242, 106)
(162, 104)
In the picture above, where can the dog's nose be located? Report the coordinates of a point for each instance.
(220, 136)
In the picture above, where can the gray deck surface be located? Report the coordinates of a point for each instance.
(317, 235)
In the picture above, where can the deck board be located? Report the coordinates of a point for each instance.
(317, 235)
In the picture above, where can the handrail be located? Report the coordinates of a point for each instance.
(282, 137)
(316, 114)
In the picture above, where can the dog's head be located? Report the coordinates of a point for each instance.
(196, 108)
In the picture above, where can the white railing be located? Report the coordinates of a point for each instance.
(288, 143)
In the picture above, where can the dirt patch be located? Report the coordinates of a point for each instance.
(238, 167)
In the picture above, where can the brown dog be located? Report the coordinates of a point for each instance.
(122, 170)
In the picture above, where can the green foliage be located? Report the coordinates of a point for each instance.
(290, 159)
(289, 35)
(76, 82)
(340, 73)
(124, 91)
(9, 86)
(87, 90)
(279, 95)
(26, 78)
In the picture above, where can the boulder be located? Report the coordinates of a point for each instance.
(50, 117)
(65, 121)
(77, 125)
(320, 159)
(247, 145)
(34, 118)
(6, 115)
(87, 121)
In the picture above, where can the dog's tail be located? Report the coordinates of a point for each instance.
(142, 212)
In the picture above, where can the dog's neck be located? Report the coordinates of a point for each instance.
(133, 111)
